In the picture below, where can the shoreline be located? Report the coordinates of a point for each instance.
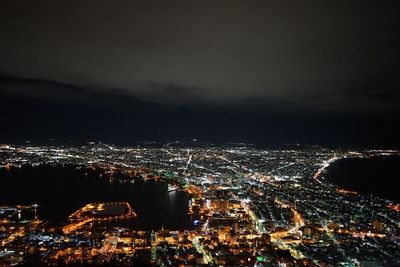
(378, 176)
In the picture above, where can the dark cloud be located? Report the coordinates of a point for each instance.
(247, 63)
(237, 49)
(22, 85)
(388, 95)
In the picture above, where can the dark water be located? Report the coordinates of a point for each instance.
(379, 176)
(62, 190)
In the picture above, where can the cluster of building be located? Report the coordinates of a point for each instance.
(250, 207)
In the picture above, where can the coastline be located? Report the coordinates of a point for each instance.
(378, 176)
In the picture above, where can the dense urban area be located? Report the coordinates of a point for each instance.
(248, 207)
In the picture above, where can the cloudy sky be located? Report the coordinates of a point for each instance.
(324, 72)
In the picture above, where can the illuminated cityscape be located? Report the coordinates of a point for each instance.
(247, 207)
(199, 133)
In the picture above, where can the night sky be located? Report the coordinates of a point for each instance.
(312, 72)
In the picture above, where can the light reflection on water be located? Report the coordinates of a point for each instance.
(62, 190)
